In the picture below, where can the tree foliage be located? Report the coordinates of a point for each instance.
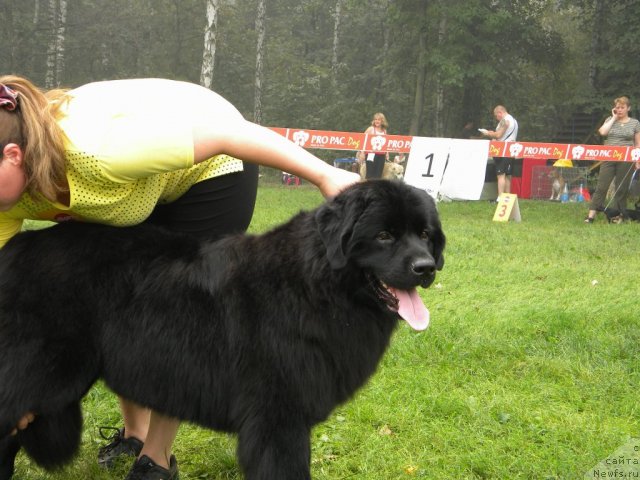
(543, 59)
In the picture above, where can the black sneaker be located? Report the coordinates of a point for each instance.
(117, 446)
(147, 469)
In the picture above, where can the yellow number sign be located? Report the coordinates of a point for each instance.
(507, 208)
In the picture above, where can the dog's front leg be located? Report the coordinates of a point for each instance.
(273, 450)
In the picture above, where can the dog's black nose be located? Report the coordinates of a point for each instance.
(422, 266)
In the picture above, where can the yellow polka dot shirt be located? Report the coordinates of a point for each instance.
(129, 147)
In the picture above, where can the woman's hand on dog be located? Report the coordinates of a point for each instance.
(24, 422)
(337, 180)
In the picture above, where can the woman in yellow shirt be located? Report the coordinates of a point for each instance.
(125, 152)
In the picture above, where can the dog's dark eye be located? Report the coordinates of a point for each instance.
(424, 235)
(384, 236)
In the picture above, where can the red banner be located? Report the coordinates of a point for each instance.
(324, 139)
(558, 151)
(346, 140)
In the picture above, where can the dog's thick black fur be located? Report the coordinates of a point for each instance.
(258, 335)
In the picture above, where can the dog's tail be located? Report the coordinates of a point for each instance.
(51, 440)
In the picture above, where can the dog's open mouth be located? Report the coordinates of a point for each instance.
(407, 303)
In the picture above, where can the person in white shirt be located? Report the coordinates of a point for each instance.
(506, 131)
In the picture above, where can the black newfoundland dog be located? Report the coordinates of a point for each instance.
(259, 335)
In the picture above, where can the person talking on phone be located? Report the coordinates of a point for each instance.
(619, 129)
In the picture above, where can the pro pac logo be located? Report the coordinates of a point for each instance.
(577, 152)
(515, 149)
(300, 138)
(378, 142)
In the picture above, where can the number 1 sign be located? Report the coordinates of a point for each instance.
(426, 164)
(452, 167)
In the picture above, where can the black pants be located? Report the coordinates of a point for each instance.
(212, 208)
(374, 168)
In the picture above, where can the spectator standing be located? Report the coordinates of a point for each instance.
(506, 131)
(375, 160)
(618, 129)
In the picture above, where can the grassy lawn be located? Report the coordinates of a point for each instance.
(530, 368)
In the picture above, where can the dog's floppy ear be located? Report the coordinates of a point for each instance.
(439, 241)
(336, 220)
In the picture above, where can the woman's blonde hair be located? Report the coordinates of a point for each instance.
(33, 126)
(623, 99)
(383, 120)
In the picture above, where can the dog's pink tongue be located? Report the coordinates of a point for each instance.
(411, 308)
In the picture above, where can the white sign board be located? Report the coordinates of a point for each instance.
(452, 167)
(426, 164)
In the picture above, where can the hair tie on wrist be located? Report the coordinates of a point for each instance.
(8, 98)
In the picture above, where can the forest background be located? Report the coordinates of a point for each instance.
(429, 65)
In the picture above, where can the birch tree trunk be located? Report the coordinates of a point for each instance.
(598, 6)
(50, 76)
(418, 100)
(210, 39)
(261, 31)
(386, 32)
(55, 49)
(36, 12)
(105, 60)
(439, 110)
(384, 58)
(336, 41)
(60, 37)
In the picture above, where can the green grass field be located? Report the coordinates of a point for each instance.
(530, 368)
